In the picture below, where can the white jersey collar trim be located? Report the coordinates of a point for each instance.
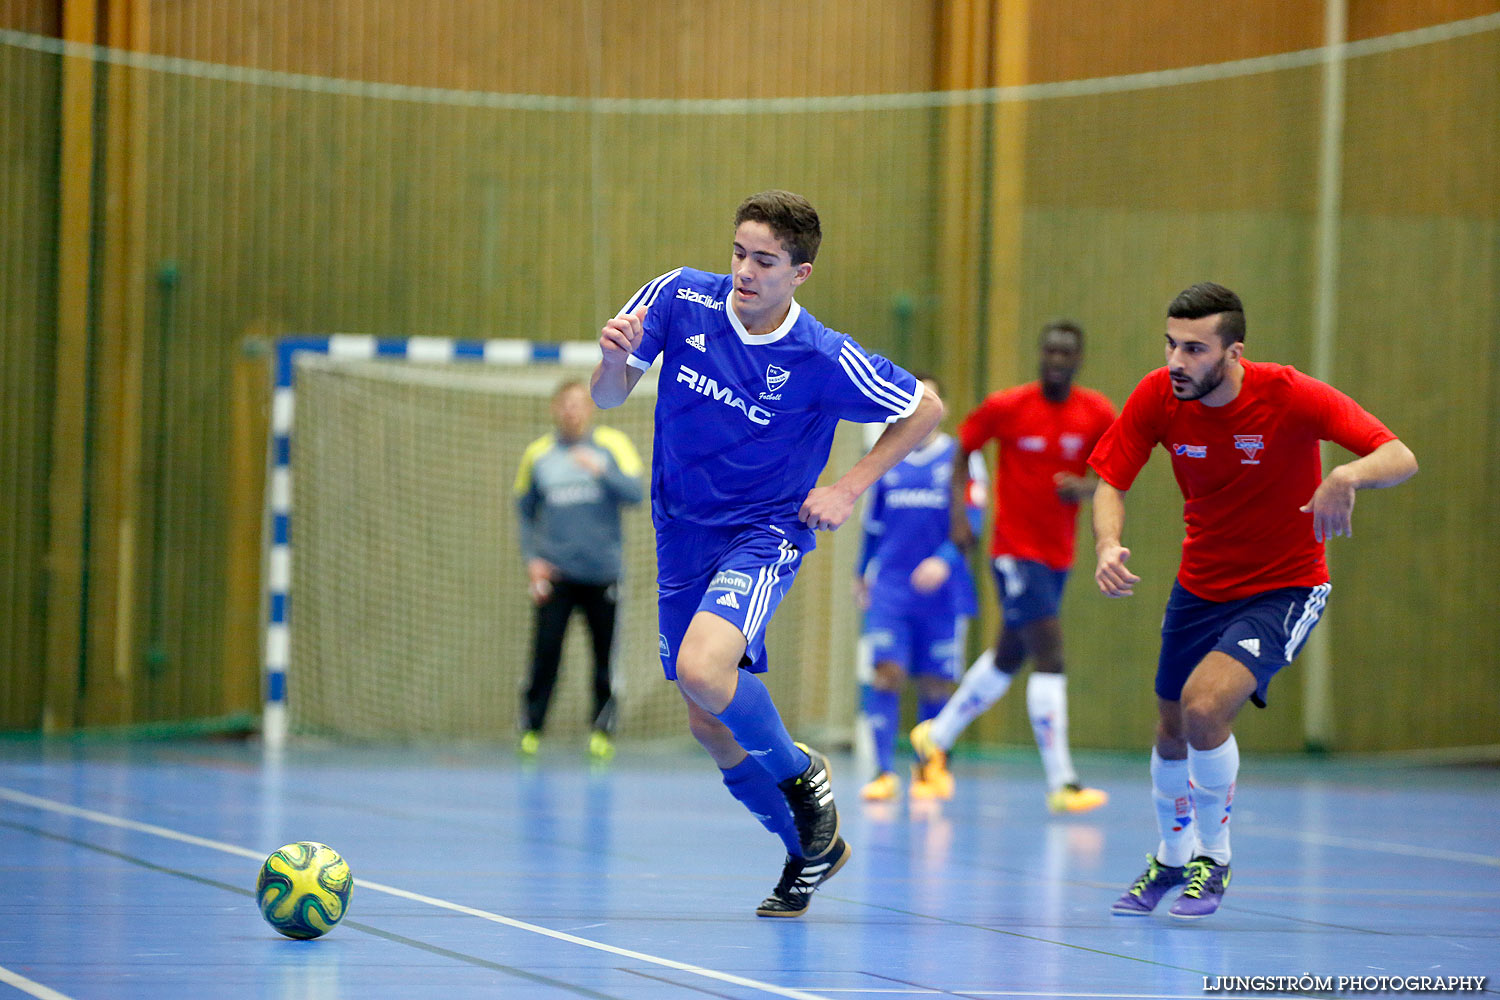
(746, 337)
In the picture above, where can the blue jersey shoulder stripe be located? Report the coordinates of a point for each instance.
(649, 291)
(862, 373)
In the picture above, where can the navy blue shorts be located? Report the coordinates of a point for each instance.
(739, 574)
(1029, 590)
(1265, 632)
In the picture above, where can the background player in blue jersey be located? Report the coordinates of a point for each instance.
(751, 389)
(917, 593)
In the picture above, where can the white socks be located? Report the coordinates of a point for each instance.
(982, 686)
(1207, 800)
(1047, 704)
(1174, 811)
(1214, 773)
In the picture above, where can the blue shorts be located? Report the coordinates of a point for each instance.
(1265, 632)
(740, 574)
(915, 639)
(1029, 591)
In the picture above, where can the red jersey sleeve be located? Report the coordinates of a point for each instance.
(1339, 418)
(984, 424)
(1126, 446)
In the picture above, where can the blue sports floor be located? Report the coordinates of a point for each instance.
(128, 872)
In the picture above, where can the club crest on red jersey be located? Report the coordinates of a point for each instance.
(1251, 445)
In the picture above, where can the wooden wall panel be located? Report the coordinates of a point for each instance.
(1081, 39)
(270, 208)
(69, 517)
(116, 426)
(611, 48)
(1414, 147)
(1374, 18)
(1416, 650)
(966, 60)
(28, 316)
(42, 17)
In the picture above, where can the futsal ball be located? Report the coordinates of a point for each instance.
(303, 889)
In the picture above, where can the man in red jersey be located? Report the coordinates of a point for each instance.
(1045, 431)
(1243, 440)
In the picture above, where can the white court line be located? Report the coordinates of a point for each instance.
(62, 808)
(30, 987)
(1377, 846)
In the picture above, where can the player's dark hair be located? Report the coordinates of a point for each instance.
(791, 219)
(1209, 299)
(1066, 326)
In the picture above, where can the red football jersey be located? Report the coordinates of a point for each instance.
(1038, 439)
(1244, 470)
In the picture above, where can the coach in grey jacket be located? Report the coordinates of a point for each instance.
(570, 487)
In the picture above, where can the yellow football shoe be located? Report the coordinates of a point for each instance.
(884, 788)
(1074, 798)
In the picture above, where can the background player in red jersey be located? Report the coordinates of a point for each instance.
(1243, 440)
(1045, 431)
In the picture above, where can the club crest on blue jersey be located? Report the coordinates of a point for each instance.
(776, 377)
(731, 580)
(661, 645)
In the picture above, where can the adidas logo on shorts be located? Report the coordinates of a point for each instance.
(697, 341)
(1251, 646)
(729, 600)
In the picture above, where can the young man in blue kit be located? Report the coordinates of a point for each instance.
(751, 389)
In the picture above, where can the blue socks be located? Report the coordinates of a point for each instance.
(752, 717)
(751, 784)
(883, 709)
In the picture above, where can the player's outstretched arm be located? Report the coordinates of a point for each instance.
(1109, 525)
(1075, 489)
(827, 507)
(1332, 504)
(613, 379)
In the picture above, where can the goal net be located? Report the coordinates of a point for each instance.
(409, 614)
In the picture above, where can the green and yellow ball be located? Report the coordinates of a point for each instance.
(303, 889)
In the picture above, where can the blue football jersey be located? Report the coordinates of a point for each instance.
(906, 520)
(744, 423)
